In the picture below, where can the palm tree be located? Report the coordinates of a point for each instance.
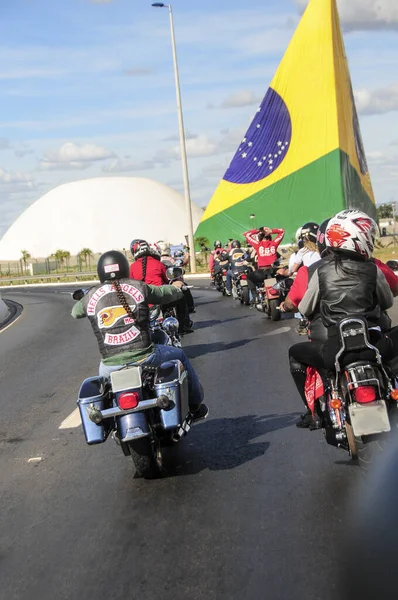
(25, 257)
(86, 254)
(59, 256)
(203, 242)
(67, 258)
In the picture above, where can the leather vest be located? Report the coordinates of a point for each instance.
(115, 330)
(348, 288)
(236, 259)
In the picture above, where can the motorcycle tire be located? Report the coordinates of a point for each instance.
(275, 314)
(146, 460)
(245, 299)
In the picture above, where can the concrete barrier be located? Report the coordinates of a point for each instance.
(4, 311)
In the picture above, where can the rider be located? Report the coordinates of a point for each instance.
(147, 267)
(317, 332)
(118, 311)
(221, 260)
(237, 263)
(217, 250)
(346, 283)
(308, 254)
(266, 248)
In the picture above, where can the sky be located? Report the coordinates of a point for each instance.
(87, 89)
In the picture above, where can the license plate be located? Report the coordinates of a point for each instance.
(126, 379)
(243, 282)
(369, 419)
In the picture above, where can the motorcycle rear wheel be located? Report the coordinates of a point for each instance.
(275, 314)
(245, 298)
(146, 458)
(365, 450)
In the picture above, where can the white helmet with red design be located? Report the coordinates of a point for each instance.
(155, 249)
(352, 231)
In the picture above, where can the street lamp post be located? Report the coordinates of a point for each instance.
(187, 192)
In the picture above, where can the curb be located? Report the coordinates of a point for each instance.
(78, 284)
(15, 311)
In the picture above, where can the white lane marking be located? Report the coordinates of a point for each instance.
(35, 459)
(72, 421)
(278, 331)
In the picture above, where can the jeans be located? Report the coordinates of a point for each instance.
(163, 354)
(228, 284)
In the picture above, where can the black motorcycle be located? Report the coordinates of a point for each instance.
(240, 289)
(220, 281)
(358, 407)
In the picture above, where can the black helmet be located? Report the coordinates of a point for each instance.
(139, 248)
(320, 240)
(112, 265)
(217, 244)
(236, 244)
(309, 232)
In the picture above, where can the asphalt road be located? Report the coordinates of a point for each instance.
(252, 507)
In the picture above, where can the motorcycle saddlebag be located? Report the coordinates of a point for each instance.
(172, 381)
(93, 394)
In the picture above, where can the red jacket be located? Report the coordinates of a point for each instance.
(389, 274)
(266, 250)
(155, 271)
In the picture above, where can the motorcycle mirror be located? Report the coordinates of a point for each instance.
(78, 294)
(174, 272)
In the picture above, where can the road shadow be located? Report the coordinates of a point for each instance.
(197, 350)
(213, 322)
(199, 303)
(223, 444)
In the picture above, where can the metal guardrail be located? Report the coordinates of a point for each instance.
(43, 278)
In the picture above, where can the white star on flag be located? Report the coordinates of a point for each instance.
(244, 155)
(279, 143)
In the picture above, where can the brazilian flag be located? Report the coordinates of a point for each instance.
(302, 158)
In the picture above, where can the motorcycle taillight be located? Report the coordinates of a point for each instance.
(128, 400)
(224, 272)
(274, 292)
(364, 394)
(243, 276)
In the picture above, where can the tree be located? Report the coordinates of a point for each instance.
(67, 258)
(385, 211)
(86, 254)
(25, 257)
(59, 256)
(202, 242)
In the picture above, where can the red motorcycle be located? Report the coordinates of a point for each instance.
(270, 297)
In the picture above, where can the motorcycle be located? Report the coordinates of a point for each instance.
(240, 290)
(220, 281)
(270, 297)
(143, 408)
(358, 407)
(176, 273)
(164, 327)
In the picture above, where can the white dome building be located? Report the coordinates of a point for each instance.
(101, 214)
